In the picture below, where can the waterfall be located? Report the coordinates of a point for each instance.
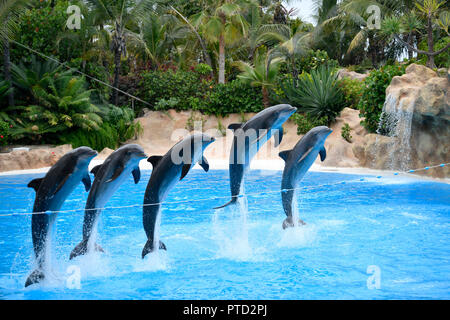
(395, 122)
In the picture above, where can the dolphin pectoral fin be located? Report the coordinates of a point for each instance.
(185, 170)
(154, 160)
(284, 154)
(162, 246)
(232, 201)
(35, 277)
(235, 126)
(204, 164)
(116, 174)
(95, 169)
(80, 249)
(87, 182)
(278, 137)
(323, 153)
(136, 175)
(35, 184)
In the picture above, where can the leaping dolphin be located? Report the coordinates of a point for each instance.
(108, 178)
(51, 192)
(167, 171)
(298, 161)
(249, 137)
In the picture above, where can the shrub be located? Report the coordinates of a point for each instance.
(374, 94)
(441, 60)
(203, 69)
(4, 133)
(314, 59)
(352, 90)
(118, 126)
(233, 97)
(345, 132)
(305, 123)
(181, 85)
(316, 94)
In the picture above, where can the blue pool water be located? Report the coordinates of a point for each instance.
(399, 225)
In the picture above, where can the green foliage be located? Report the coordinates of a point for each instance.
(118, 126)
(39, 27)
(305, 123)
(180, 85)
(5, 90)
(203, 69)
(185, 90)
(233, 97)
(345, 132)
(313, 59)
(4, 133)
(441, 60)
(374, 94)
(317, 94)
(352, 90)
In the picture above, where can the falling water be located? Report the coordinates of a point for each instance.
(395, 122)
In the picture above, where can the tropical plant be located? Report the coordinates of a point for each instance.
(374, 95)
(345, 132)
(263, 74)
(317, 94)
(305, 123)
(4, 133)
(10, 11)
(435, 17)
(222, 22)
(121, 17)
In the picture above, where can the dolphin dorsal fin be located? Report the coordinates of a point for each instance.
(235, 126)
(323, 154)
(35, 184)
(95, 169)
(185, 170)
(204, 164)
(154, 160)
(284, 154)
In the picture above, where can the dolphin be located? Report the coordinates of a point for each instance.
(51, 192)
(297, 163)
(249, 137)
(108, 178)
(167, 171)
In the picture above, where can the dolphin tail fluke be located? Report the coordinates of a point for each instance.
(232, 201)
(35, 277)
(82, 248)
(149, 247)
(288, 223)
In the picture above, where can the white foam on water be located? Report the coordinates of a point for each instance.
(153, 261)
(414, 216)
(297, 237)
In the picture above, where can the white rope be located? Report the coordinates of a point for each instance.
(305, 188)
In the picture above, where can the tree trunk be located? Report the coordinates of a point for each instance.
(117, 56)
(7, 69)
(430, 60)
(265, 94)
(221, 59)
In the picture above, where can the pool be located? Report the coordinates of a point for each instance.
(365, 238)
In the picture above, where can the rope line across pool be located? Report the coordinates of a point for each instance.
(305, 188)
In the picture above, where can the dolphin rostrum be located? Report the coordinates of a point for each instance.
(297, 163)
(167, 171)
(108, 178)
(249, 137)
(51, 192)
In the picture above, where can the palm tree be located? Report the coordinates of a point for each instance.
(121, 16)
(429, 10)
(262, 74)
(223, 23)
(10, 10)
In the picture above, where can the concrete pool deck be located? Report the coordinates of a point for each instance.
(277, 165)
